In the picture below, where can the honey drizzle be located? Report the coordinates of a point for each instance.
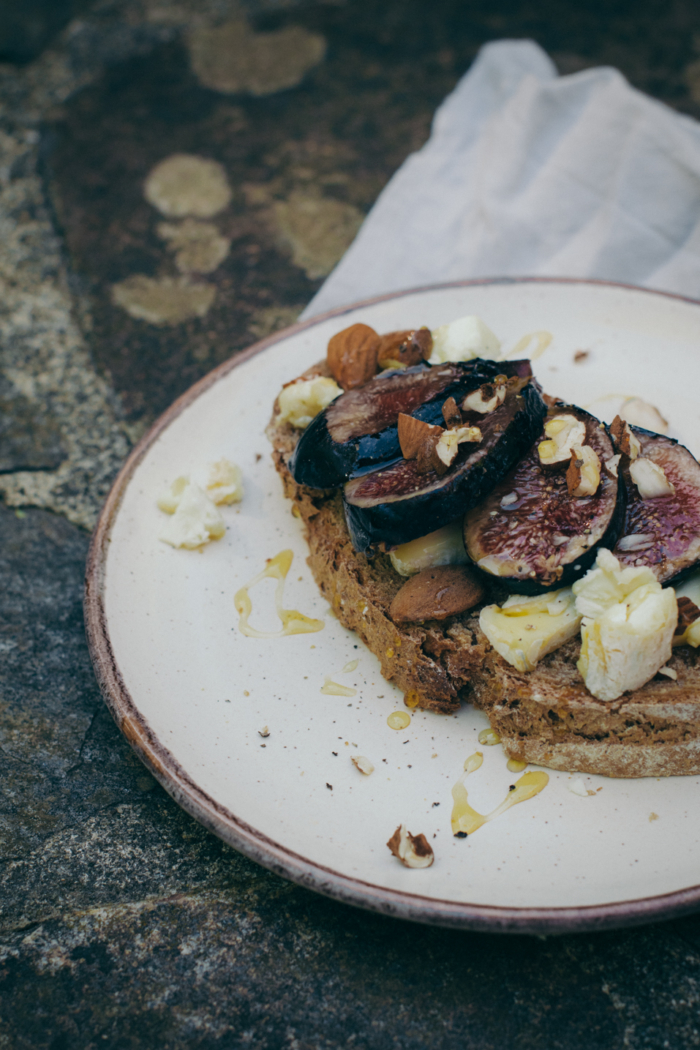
(293, 622)
(332, 688)
(543, 338)
(465, 819)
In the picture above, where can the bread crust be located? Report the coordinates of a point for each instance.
(547, 716)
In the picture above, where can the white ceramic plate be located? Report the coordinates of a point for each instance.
(191, 692)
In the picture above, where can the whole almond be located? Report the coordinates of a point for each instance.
(352, 355)
(405, 348)
(435, 594)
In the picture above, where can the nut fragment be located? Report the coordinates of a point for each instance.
(450, 440)
(405, 348)
(435, 594)
(623, 439)
(451, 414)
(650, 479)
(583, 475)
(418, 440)
(563, 434)
(487, 398)
(414, 851)
(688, 613)
(352, 355)
(363, 764)
(612, 464)
(264, 731)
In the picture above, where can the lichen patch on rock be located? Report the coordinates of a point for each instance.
(318, 230)
(163, 300)
(198, 246)
(234, 59)
(185, 184)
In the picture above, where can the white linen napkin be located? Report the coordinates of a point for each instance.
(529, 173)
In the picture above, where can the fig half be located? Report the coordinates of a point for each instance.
(396, 504)
(531, 533)
(358, 431)
(662, 533)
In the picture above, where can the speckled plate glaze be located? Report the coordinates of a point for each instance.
(191, 693)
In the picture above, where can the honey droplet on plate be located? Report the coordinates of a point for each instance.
(398, 720)
(515, 765)
(489, 737)
(332, 688)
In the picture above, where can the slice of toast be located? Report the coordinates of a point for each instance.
(546, 716)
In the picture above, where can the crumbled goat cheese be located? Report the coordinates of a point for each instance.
(464, 339)
(627, 628)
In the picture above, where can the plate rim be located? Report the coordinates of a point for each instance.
(237, 832)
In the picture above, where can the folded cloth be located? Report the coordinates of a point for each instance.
(529, 173)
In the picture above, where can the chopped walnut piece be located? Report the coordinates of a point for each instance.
(451, 413)
(352, 355)
(450, 440)
(688, 613)
(488, 397)
(623, 438)
(583, 474)
(263, 732)
(563, 433)
(414, 851)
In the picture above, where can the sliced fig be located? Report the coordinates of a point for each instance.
(397, 503)
(359, 431)
(530, 532)
(662, 532)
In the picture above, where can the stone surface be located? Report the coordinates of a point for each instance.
(123, 923)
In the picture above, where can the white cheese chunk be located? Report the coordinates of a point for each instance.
(169, 500)
(464, 339)
(195, 521)
(302, 401)
(445, 546)
(225, 484)
(628, 626)
(524, 630)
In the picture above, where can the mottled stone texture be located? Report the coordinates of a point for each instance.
(122, 922)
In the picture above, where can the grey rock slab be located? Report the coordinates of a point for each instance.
(29, 437)
(82, 822)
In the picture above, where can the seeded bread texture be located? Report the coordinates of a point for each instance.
(433, 663)
(547, 716)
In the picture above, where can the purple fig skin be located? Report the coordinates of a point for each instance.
(358, 431)
(672, 523)
(526, 530)
(396, 504)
